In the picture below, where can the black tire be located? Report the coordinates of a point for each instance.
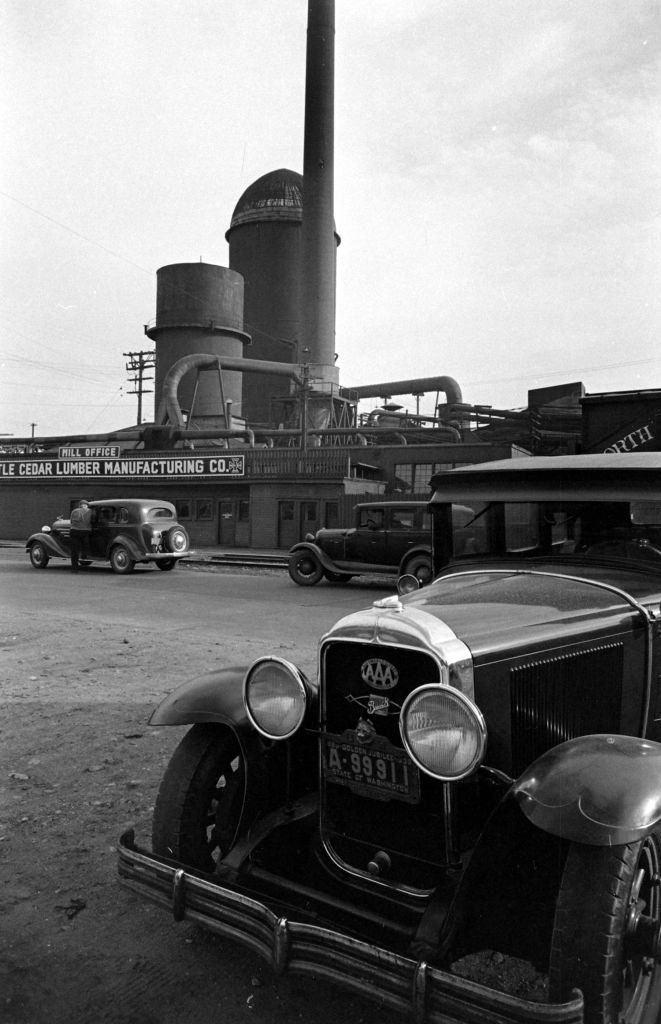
(338, 577)
(167, 564)
(39, 555)
(420, 567)
(305, 568)
(121, 561)
(200, 800)
(176, 540)
(599, 943)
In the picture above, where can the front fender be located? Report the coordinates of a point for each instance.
(326, 562)
(53, 544)
(601, 790)
(218, 697)
(214, 697)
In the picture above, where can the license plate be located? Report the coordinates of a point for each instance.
(381, 771)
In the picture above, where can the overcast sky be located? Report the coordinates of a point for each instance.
(496, 187)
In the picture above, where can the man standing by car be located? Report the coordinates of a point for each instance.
(79, 537)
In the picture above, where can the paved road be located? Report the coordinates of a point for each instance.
(85, 658)
(255, 609)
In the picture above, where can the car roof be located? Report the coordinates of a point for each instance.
(133, 502)
(597, 477)
(392, 504)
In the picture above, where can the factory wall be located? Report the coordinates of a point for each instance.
(622, 421)
(268, 507)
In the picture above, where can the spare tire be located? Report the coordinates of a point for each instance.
(176, 540)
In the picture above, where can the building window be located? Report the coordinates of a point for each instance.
(424, 471)
(415, 477)
(244, 511)
(204, 509)
(183, 507)
(308, 511)
(286, 511)
(404, 474)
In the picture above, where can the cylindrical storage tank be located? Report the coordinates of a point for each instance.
(199, 309)
(265, 248)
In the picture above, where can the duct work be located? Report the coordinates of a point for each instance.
(418, 386)
(169, 410)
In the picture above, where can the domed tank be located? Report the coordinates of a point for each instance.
(265, 247)
(199, 309)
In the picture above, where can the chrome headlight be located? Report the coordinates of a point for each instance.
(275, 697)
(443, 731)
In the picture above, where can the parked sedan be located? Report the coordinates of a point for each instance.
(392, 537)
(125, 531)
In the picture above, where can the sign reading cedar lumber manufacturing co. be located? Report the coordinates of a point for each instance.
(144, 468)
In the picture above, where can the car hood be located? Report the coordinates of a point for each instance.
(497, 611)
(504, 608)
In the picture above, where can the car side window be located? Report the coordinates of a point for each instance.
(402, 519)
(122, 516)
(371, 519)
(105, 516)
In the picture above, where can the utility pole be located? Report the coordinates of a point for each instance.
(138, 363)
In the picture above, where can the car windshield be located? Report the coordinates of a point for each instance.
(559, 528)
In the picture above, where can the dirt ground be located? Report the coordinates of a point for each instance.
(78, 765)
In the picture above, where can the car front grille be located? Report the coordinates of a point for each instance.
(558, 698)
(358, 822)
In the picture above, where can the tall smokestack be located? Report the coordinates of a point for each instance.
(318, 231)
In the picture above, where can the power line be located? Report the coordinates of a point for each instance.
(137, 364)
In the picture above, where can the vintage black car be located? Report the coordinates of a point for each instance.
(475, 775)
(124, 531)
(391, 537)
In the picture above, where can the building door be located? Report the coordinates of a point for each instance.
(287, 525)
(307, 518)
(227, 515)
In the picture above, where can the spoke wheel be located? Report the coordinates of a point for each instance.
(38, 555)
(607, 932)
(420, 567)
(304, 568)
(201, 798)
(121, 561)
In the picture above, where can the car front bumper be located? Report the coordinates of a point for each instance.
(429, 995)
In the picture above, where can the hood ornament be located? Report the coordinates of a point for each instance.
(391, 603)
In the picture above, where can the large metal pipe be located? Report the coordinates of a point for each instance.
(418, 386)
(318, 229)
(169, 409)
